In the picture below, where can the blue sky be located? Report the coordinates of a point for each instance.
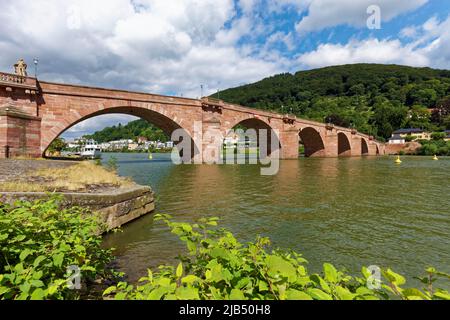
(172, 47)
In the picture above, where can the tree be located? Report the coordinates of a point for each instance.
(418, 117)
(58, 145)
(426, 97)
(387, 117)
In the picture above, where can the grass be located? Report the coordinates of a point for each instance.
(82, 177)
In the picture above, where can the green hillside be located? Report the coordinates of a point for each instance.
(133, 130)
(375, 99)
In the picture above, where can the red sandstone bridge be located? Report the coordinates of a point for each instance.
(34, 113)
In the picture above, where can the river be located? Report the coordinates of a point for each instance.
(350, 212)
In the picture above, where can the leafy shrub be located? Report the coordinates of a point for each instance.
(218, 267)
(39, 241)
(112, 164)
(432, 147)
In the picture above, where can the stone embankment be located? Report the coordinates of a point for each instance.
(117, 206)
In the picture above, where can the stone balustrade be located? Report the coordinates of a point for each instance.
(15, 80)
(12, 78)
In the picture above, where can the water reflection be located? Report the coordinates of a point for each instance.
(351, 211)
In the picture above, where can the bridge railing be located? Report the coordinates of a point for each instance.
(15, 79)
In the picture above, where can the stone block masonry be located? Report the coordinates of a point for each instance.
(116, 208)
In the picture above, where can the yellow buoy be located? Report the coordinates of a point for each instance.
(398, 161)
(435, 157)
(150, 156)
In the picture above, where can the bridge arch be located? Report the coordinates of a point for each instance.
(344, 147)
(313, 142)
(258, 124)
(365, 147)
(167, 124)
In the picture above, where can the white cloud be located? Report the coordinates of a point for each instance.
(150, 45)
(408, 32)
(328, 13)
(430, 46)
(367, 51)
(96, 124)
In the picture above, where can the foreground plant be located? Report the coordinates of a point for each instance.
(218, 267)
(42, 247)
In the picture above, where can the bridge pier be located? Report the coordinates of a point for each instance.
(290, 145)
(356, 143)
(330, 139)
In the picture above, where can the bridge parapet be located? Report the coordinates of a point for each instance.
(15, 80)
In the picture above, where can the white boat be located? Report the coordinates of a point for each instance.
(91, 151)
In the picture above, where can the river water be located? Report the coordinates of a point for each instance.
(350, 212)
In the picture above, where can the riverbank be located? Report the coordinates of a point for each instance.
(118, 200)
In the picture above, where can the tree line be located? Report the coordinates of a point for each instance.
(374, 99)
(132, 131)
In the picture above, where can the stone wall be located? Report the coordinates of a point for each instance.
(117, 208)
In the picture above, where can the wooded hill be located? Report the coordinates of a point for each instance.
(132, 130)
(375, 99)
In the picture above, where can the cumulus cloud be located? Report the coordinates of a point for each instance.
(328, 13)
(168, 47)
(430, 46)
(96, 124)
(366, 51)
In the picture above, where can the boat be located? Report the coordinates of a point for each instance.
(91, 151)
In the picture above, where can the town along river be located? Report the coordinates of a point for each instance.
(350, 212)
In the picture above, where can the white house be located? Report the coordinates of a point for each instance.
(397, 139)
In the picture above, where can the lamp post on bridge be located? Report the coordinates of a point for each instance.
(36, 62)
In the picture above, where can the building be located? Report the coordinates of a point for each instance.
(133, 146)
(448, 135)
(119, 144)
(142, 140)
(413, 134)
(170, 145)
(397, 139)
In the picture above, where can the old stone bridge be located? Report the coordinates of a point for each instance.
(34, 113)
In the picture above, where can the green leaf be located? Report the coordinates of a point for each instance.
(293, 294)
(263, 286)
(192, 247)
(38, 261)
(38, 294)
(442, 295)
(277, 265)
(24, 254)
(109, 291)
(58, 259)
(344, 293)
(187, 293)
(331, 274)
(395, 278)
(237, 295)
(179, 272)
(190, 279)
(318, 294)
(37, 283)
